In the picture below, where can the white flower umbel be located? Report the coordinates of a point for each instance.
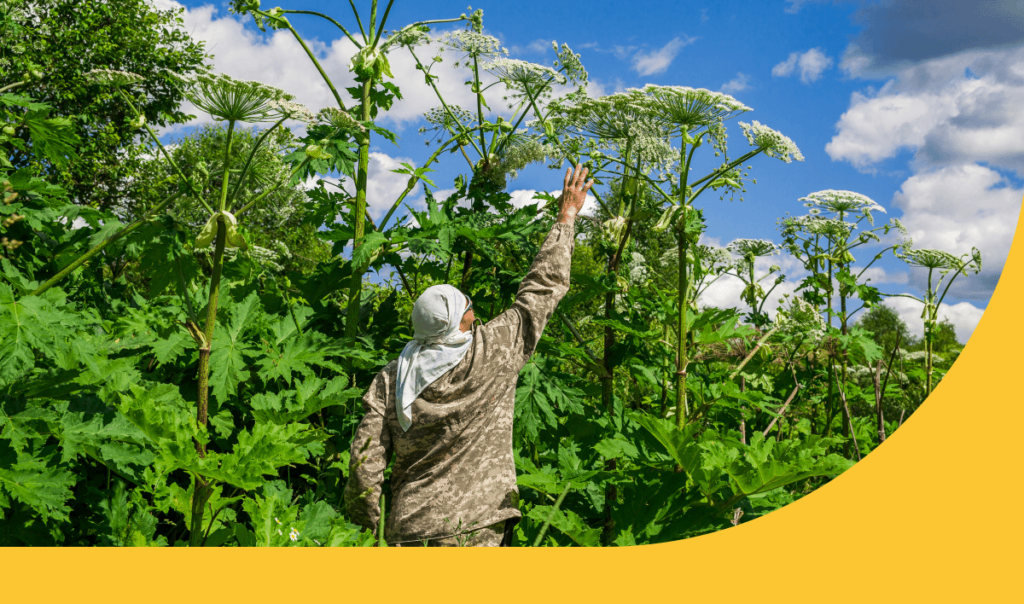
(819, 225)
(342, 120)
(774, 143)
(472, 43)
(523, 74)
(754, 248)
(295, 111)
(843, 203)
(232, 100)
(691, 108)
(112, 77)
(520, 152)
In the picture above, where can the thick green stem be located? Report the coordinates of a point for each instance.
(67, 270)
(227, 173)
(211, 321)
(359, 219)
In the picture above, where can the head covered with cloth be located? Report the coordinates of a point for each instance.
(441, 338)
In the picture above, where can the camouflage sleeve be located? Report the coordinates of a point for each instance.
(370, 452)
(542, 288)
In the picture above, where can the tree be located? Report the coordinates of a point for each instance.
(945, 339)
(49, 46)
(281, 218)
(886, 324)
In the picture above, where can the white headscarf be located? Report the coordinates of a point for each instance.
(437, 345)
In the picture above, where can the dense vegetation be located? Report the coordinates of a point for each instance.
(183, 345)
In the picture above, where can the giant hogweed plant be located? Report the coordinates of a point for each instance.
(155, 432)
(941, 266)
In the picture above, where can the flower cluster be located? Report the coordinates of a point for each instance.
(112, 77)
(226, 98)
(819, 225)
(691, 108)
(296, 111)
(409, 37)
(472, 43)
(523, 74)
(841, 203)
(520, 152)
(753, 248)
(799, 317)
(569, 64)
(341, 120)
(930, 259)
(774, 143)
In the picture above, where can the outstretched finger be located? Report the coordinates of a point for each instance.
(576, 176)
(568, 178)
(587, 186)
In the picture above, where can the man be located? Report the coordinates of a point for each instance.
(444, 407)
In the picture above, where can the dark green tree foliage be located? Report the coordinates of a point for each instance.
(55, 42)
(285, 224)
(886, 326)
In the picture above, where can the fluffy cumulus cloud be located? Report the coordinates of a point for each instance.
(738, 84)
(957, 208)
(657, 61)
(948, 111)
(810, 64)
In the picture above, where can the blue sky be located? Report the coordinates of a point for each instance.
(916, 107)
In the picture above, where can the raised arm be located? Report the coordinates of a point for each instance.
(370, 452)
(548, 278)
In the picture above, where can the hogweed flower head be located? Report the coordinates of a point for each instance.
(341, 120)
(843, 202)
(226, 98)
(295, 111)
(472, 43)
(691, 108)
(113, 77)
(753, 248)
(410, 38)
(570, 62)
(523, 74)
(774, 143)
(838, 230)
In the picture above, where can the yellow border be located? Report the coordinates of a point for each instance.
(932, 515)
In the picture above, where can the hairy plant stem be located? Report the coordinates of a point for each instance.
(682, 244)
(211, 321)
(355, 288)
(67, 270)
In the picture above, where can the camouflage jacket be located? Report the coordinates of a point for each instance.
(454, 471)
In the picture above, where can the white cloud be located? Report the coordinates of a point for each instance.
(951, 110)
(964, 316)
(738, 84)
(657, 61)
(959, 207)
(811, 64)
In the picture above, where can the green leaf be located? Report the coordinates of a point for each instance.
(33, 481)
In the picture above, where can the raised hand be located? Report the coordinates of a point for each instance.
(574, 193)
